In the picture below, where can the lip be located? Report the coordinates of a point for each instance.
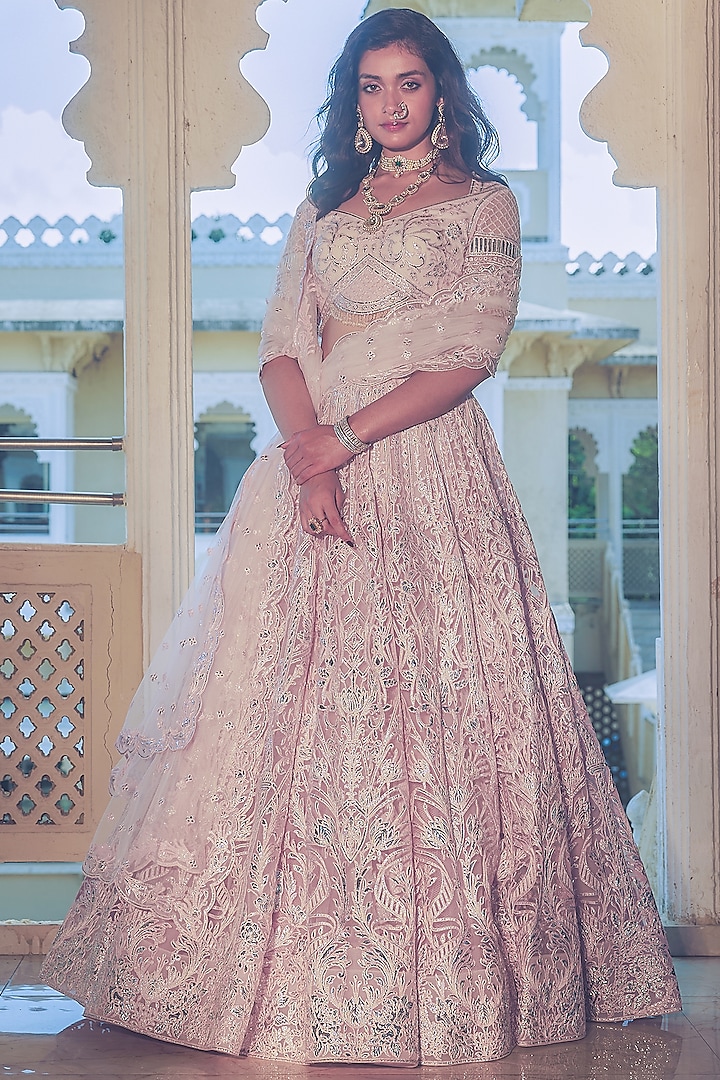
(394, 125)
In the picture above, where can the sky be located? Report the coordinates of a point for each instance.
(42, 170)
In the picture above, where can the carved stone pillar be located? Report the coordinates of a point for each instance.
(671, 138)
(165, 111)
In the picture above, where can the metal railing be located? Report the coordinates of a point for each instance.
(641, 529)
(209, 521)
(599, 529)
(79, 498)
(115, 442)
(588, 529)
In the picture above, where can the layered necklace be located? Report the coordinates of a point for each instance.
(378, 210)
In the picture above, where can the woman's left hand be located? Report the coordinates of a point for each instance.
(313, 451)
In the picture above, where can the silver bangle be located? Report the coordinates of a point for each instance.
(348, 438)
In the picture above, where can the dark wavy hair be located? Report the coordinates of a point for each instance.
(337, 167)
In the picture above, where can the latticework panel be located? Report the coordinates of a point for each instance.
(585, 568)
(45, 706)
(641, 569)
(70, 660)
(607, 728)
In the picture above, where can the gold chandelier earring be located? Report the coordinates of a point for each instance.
(439, 137)
(363, 139)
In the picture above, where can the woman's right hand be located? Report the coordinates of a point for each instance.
(322, 498)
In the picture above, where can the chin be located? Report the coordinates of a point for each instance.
(399, 141)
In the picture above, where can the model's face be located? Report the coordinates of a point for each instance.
(386, 78)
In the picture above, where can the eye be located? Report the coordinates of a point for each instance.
(369, 88)
(411, 85)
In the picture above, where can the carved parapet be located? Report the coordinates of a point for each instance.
(216, 241)
(632, 275)
(91, 242)
(72, 353)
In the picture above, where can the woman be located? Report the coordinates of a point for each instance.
(361, 813)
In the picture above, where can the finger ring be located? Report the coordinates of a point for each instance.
(315, 525)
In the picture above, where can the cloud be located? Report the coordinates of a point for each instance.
(42, 171)
(268, 184)
(597, 216)
(306, 37)
(37, 71)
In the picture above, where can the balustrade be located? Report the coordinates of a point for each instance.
(92, 242)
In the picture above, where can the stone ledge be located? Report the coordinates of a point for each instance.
(26, 938)
(693, 940)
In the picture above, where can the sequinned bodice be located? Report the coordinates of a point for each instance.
(359, 276)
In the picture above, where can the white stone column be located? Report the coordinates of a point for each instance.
(61, 462)
(536, 455)
(491, 396)
(165, 111)
(671, 138)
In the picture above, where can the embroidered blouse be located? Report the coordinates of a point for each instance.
(436, 287)
(359, 276)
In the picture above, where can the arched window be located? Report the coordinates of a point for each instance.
(222, 454)
(641, 498)
(504, 100)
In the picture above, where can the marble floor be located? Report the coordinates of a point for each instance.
(43, 1034)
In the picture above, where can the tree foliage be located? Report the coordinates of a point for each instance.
(581, 486)
(640, 484)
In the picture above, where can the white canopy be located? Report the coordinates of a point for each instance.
(640, 690)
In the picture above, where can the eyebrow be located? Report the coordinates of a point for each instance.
(402, 75)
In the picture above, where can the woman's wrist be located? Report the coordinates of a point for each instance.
(352, 443)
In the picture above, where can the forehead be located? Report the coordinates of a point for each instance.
(391, 61)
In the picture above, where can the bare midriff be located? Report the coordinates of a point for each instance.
(333, 330)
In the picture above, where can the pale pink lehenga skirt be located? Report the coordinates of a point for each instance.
(363, 816)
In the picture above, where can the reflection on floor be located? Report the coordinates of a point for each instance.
(42, 1033)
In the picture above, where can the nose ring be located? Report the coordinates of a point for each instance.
(401, 113)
